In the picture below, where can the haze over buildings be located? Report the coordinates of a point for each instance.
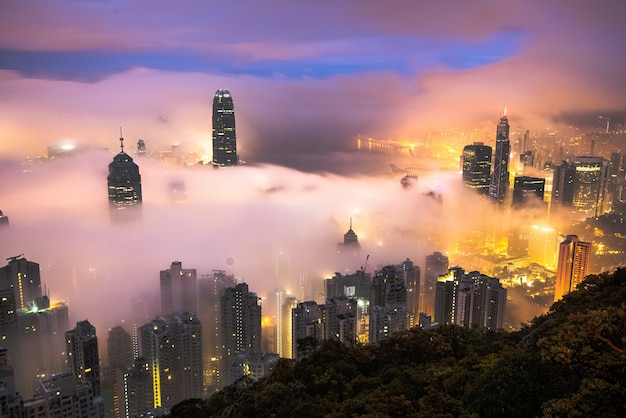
(329, 122)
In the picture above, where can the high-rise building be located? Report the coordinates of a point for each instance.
(446, 295)
(500, 176)
(591, 185)
(241, 324)
(82, 354)
(349, 251)
(63, 395)
(573, 265)
(10, 400)
(120, 353)
(436, 265)
(22, 278)
(4, 220)
(224, 137)
(179, 290)
(470, 300)
(388, 312)
(172, 348)
(334, 320)
(582, 185)
(527, 190)
(542, 242)
(138, 394)
(477, 167)
(563, 184)
(39, 344)
(209, 295)
(124, 184)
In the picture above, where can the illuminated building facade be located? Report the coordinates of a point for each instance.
(436, 265)
(209, 313)
(138, 394)
(224, 137)
(124, 184)
(477, 167)
(22, 276)
(500, 177)
(590, 185)
(527, 190)
(120, 353)
(542, 243)
(241, 324)
(582, 185)
(83, 358)
(253, 365)
(39, 344)
(179, 289)
(573, 265)
(63, 395)
(388, 312)
(470, 300)
(172, 349)
(334, 320)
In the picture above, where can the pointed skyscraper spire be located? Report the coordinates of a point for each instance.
(121, 140)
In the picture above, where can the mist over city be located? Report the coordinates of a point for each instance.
(350, 118)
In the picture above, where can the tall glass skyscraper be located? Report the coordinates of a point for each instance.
(500, 176)
(477, 167)
(224, 138)
(124, 181)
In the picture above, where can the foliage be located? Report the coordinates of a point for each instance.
(569, 362)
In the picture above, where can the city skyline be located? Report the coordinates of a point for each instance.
(389, 72)
(303, 103)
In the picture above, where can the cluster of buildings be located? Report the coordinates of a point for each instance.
(210, 331)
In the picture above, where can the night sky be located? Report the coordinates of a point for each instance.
(307, 77)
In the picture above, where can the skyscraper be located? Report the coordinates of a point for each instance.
(477, 167)
(573, 265)
(179, 289)
(21, 278)
(388, 312)
(209, 293)
(590, 185)
(526, 188)
(172, 349)
(120, 351)
(436, 265)
(124, 183)
(500, 176)
(470, 300)
(224, 137)
(582, 185)
(241, 324)
(82, 354)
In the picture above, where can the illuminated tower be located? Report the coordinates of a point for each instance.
(500, 176)
(82, 354)
(124, 183)
(477, 167)
(224, 138)
(573, 265)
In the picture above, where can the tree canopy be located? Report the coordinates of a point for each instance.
(569, 362)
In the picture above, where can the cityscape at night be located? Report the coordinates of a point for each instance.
(191, 192)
